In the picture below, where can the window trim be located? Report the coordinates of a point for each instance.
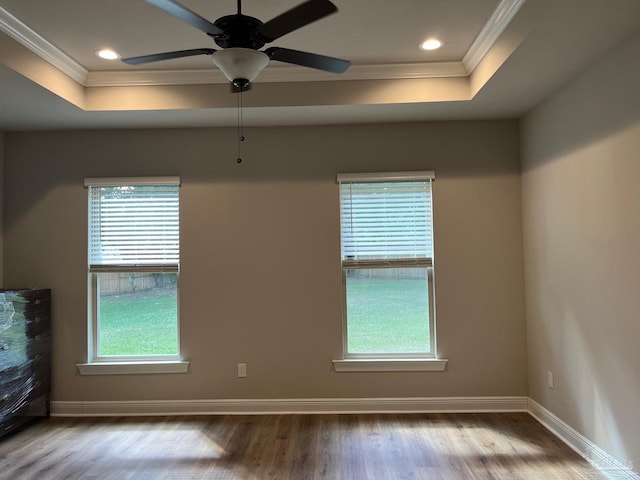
(113, 181)
(358, 362)
(129, 368)
(390, 365)
(93, 357)
(394, 357)
(376, 177)
(133, 364)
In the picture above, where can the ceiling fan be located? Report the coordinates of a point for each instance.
(240, 37)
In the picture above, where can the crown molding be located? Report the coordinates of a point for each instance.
(496, 24)
(17, 30)
(501, 17)
(138, 78)
(121, 78)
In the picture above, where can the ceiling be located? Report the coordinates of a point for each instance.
(500, 58)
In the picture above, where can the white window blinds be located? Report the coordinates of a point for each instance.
(134, 223)
(386, 220)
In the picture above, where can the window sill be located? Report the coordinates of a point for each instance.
(390, 365)
(132, 368)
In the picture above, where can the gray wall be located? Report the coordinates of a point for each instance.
(581, 166)
(260, 270)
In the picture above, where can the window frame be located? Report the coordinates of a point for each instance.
(94, 327)
(390, 361)
(404, 355)
(106, 364)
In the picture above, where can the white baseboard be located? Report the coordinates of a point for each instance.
(291, 406)
(601, 460)
(608, 465)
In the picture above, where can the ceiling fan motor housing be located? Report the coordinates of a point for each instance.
(239, 31)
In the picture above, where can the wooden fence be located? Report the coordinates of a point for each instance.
(117, 283)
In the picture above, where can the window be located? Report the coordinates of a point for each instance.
(387, 265)
(133, 265)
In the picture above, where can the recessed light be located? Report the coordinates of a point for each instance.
(431, 44)
(108, 54)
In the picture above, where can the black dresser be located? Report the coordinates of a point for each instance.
(25, 356)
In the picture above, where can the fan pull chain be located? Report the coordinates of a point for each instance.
(240, 129)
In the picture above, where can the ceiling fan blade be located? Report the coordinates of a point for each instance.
(297, 17)
(186, 15)
(156, 57)
(312, 60)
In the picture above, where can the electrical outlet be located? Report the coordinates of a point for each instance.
(550, 379)
(242, 370)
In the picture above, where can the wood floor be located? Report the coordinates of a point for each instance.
(351, 447)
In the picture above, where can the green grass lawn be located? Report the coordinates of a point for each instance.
(387, 315)
(141, 323)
